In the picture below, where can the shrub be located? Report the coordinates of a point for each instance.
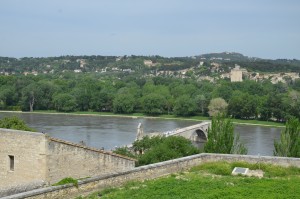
(14, 123)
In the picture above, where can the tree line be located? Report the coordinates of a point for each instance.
(70, 92)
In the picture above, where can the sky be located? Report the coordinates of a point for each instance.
(256, 28)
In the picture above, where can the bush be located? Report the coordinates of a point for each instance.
(125, 151)
(158, 149)
(14, 123)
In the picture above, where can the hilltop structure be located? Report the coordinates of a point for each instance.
(236, 74)
(29, 160)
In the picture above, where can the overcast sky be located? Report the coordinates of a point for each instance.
(258, 28)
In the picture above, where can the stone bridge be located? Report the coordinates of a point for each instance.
(196, 133)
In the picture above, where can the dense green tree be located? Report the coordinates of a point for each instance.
(201, 102)
(184, 89)
(289, 144)
(31, 94)
(265, 109)
(153, 104)
(223, 91)
(140, 146)
(124, 103)
(158, 149)
(47, 89)
(276, 105)
(236, 105)
(221, 138)
(254, 88)
(243, 105)
(125, 151)
(64, 102)
(7, 96)
(185, 106)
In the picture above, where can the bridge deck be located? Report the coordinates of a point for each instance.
(182, 130)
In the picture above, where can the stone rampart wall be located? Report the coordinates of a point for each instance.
(66, 159)
(147, 172)
(29, 160)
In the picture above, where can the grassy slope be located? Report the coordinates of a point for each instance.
(195, 118)
(213, 180)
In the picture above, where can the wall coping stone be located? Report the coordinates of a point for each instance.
(20, 132)
(89, 148)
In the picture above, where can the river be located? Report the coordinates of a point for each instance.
(109, 132)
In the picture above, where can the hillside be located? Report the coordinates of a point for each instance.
(144, 65)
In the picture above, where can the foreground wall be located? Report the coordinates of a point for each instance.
(22, 160)
(147, 172)
(66, 159)
(30, 160)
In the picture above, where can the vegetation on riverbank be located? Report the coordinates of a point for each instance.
(213, 180)
(149, 150)
(14, 123)
(152, 96)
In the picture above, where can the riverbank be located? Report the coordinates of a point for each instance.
(169, 117)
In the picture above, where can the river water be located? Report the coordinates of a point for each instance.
(109, 132)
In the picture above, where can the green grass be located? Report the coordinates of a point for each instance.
(195, 118)
(225, 168)
(67, 181)
(259, 122)
(213, 180)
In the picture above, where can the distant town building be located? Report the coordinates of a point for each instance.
(236, 74)
(148, 62)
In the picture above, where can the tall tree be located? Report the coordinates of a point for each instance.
(123, 103)
(289, 144)
(185, 106)
(64, 102)
(221, 138)
(153, 104)
(201, 102)
(31, 95)
(217, 106)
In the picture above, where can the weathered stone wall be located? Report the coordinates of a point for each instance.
(28, 150)
(40, 159)
(146, 172)
(65, 159)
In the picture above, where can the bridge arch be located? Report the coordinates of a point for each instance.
(201, 134)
